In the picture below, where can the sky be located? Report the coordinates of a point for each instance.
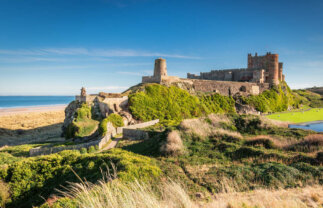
(54, 47)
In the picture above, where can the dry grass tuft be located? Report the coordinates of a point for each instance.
(285, 198)
(266, 122)
(197, 127)
(4, 193)
(311, 143)
(231, 134)
(118, 194)
(217, 119)
(266, 141)
(173, 145)
(200, 128)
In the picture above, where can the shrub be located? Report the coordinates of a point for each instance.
(91, 149)
(4, 193)
(84, 112)
(276, 99)
(83, 150)
(263, 140)
(114, 118)
(319, 157)
(310, 143)
(173, 145)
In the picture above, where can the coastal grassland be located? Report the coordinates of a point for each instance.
(31, 179)
(27, 127)
(235, 152)
(311, 99)
(314, 114)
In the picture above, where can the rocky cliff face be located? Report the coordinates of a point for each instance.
(70, 111)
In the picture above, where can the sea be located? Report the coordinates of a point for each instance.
(33, 101)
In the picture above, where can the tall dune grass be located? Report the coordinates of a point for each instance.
(118, 194)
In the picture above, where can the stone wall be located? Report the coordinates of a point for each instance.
(227, 88)
(111, 131)
(120, 130)
(135, 134)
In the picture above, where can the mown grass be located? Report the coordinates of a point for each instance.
(314, 114)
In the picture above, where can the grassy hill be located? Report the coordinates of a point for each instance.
(202, 147)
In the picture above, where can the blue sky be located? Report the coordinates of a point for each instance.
(54, 47)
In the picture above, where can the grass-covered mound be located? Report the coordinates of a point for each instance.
(33, 178)
(310, 99)
(276, 99)
(235, 152)
(83, 124)
(114, 118)
(174, 104)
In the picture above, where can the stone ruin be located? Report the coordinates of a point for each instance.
(261, 73)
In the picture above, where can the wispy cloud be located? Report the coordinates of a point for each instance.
(140, 73)
(35, 68)
(93, 52)
(107, 88)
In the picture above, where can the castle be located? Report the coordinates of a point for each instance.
(261, 69)
(262, 72)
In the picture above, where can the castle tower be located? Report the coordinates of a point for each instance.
(160, 67)
(280, 71)
(273, 68)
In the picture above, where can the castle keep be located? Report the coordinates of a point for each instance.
(261, 73)
(261, 69)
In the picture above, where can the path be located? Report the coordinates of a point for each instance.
(112, 144)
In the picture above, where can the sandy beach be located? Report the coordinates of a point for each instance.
(30, 124)
(19, 110)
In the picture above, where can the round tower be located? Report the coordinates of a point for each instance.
(273, 68)
(160, 67)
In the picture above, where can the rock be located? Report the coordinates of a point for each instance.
(111, 130)
(199, 195)
(127, 118)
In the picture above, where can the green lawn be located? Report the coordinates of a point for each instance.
(315, 114)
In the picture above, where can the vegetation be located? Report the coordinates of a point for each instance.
(172, 104)
(120, 194)
(83, 124)
(32, 177)
(114, 118)
(216, 158)
(310, 99)
(277, 99)
(314, 114)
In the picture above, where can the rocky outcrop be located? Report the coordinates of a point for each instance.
(70, 111)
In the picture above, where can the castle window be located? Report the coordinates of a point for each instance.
(243, 89)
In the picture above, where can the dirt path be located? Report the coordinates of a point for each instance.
(112, 144)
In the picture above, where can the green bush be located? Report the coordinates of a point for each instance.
(83, 124)
(276, 99)
(83, 150)
(91, 149)
(32, 177)
(62, 203)
(114, 118)
(84, 112)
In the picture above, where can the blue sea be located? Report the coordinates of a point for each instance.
(28, 101)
